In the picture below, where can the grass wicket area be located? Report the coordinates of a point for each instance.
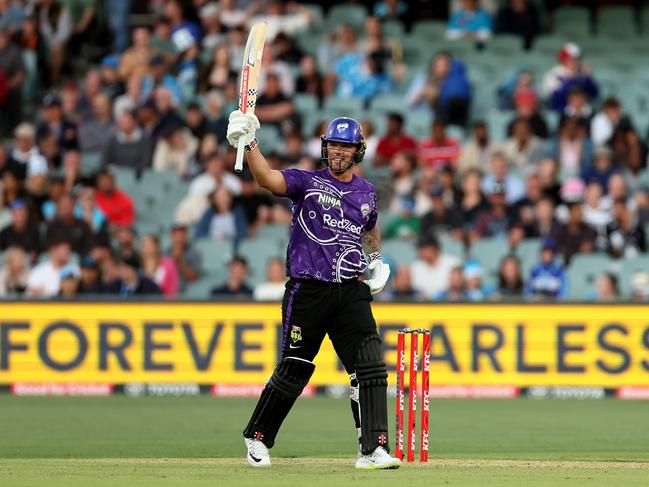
(197, 441)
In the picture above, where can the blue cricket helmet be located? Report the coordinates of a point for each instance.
(345, 130)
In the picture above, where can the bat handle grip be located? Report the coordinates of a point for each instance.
(238, 165)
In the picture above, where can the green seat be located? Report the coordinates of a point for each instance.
(583, 272)
(430, 28)
(274, 232)
(201, 288)
(401, 252)
(489, 252)
(90, 163)
(269, 138)
(343, 104)
(124, 176)
(572, 21)
(257, 251)
(305, 103)
(497, 122)
(616, 21)
(452, 247)
(393, 28)
(505, 45)
(629, 267)
(389, 103)
(353, 15)
(216, 254)
(418, 124)
(147, 227)
(528, 252)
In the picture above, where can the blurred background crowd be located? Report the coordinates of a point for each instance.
(507, 141)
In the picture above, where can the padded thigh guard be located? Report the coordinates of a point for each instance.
(372, 376)
(283, 388)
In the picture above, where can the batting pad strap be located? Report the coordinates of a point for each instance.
(291, 376)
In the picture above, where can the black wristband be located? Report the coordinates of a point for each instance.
(251, 146)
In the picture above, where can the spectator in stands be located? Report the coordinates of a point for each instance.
(523, 148)
(56, 125)
(56, 26)
(67, 227)
(213, 31)
(175, 151)
(292, 151)
(577, 106)
(309, 80)
(192, 207)
(519, 17)
(336, 44)
(544, 224)
(96, 133)
(290, 18)
(135, 59)
(274, 287)
(362, 75)
(395, 140)
(130, 146)
(91, 88)
(219, 222)
(431, 271)
(391, 10)
(12, 188)
(11, 15)
(548, 279)
(474, 288)
(11, 66)
(219, 71)
(549, 178)
(575, 236)
(442, 220)
(87, 209)
(629, 152)
(131, 281)
(624, 237)
(470, 22)
(446, 90)
(402, 167)
(159, 77)
(609, 118)
(274, 108)
(510, 279)
(499, 173)
(595, 213)
(522, 212)
(456, 290)
(494, 222)
(440, 150)
(642, 204)
(236, 285)
(617, 189)
(111, 83)
(45, 278)
(130, 100)
(90, 280)
(602, 167)
(527, 108)
(256, 204)
(232, 15)
(569, 73)
(160, 269)
(640, 287)
(401, 285)
(113, 202)
(188, 258)
(572, 148)
(471, 202)
(161, 38)
(23, 150)
(476, 152)
(405, 225)
(22, 233)
(70, 279)
(14, 273)
(607, 288)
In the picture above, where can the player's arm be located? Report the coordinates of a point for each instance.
(245, 125)
(379, 271)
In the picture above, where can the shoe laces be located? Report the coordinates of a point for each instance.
(380, 452)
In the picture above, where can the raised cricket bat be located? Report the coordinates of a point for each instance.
(250, 79)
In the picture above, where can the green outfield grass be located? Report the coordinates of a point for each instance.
(197, 441)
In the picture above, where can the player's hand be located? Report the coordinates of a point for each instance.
(379, 274)
(241, 125)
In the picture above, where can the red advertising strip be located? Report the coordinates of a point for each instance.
(633, 392)
(61, 389)
(250, 390)
(474, 392)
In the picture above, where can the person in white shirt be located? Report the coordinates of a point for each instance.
(605, 121)
(431, 272)
(45, 279)
(274, 287)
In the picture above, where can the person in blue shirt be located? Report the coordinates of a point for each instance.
(470, 22)
(548, 279)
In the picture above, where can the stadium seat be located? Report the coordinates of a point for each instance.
(393, 28)
(389, 103)
(353, 15)
(489, 252)
(628, 267)
(616, 21)
(583, 272)
(216, 254)
(257, 251)
(269, 138)
(549, 45)
(432, 29)
(644, 22)
(124, 177)
(572, 21)
(418, 123)
(90, 163)
(452, 247)
(343, 104)
(497, 122)
(201, 288)
(400, 251)
(274, 232)
(505, 45)
(528, 252)
(305, 103)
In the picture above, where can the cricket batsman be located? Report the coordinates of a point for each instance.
(334, 238)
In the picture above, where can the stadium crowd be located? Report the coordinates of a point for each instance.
(114, 113)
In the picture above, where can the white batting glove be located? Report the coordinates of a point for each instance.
(241, 125)
(379, 273)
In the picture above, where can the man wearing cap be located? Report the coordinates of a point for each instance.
(69, 287)
(90, 279)
(45, 278)
(54, 123)
(131, 282)
(159, 76)
(21, 233)
(548, 278)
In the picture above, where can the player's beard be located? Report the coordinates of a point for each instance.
(339, 165)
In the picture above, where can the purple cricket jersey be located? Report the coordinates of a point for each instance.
(329, 220)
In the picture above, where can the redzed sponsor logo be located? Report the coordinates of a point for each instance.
(474, 392)
(249, 390)
(632, 392)
(61, 389)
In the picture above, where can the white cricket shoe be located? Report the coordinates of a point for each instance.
(378, 459)
(257, 453)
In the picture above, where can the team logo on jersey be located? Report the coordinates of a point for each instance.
(341, 127)
(296, 335)
(328, 201)
(365, 210)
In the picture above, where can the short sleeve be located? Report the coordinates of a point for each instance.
(295, 181)
(371, 221)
